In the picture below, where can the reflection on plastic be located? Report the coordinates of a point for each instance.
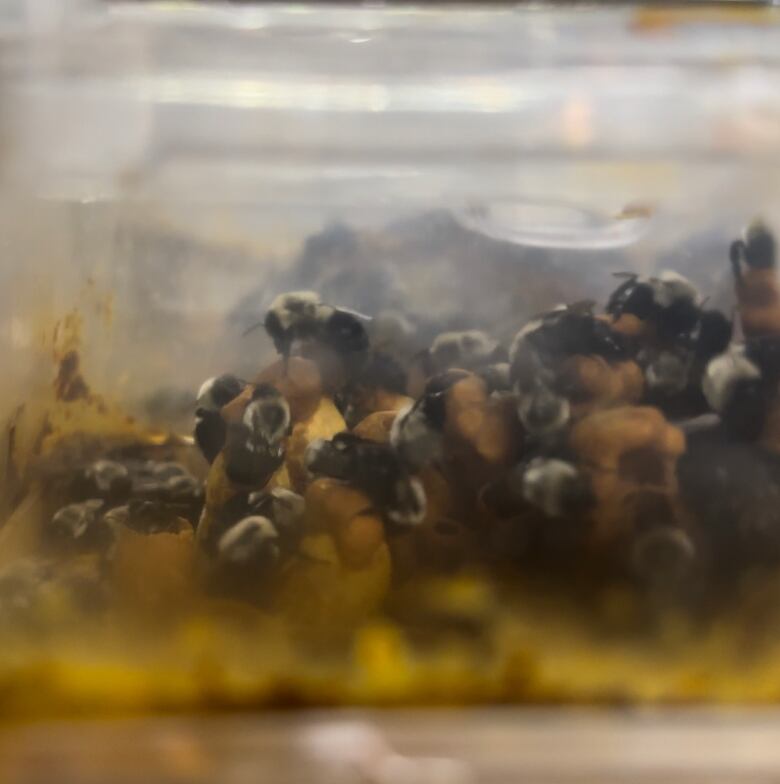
(356, 751)
(555, 224)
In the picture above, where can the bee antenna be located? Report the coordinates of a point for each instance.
(737, 256)
(251, 329)
(625, 274)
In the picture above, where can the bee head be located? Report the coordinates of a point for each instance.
(408, 504)
(465, 349)
(759, 246)
(554, 486)
(217, 392)
(267, 416)
(253, 540)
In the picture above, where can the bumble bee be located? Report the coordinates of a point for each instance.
(758, 292)
(554, 486)
(497, 377)
(467, 349)
(301, 318)
(255, 446)
(373, 468)
(147, 516)
(674, 370)
(267, 420)
(80, 526)
(379, 374)
(244, 559)
(755, 250)
(253, 542)
(393, 333)
(210, 429)
(712, 335)
(669, 301)
(108, 480)
(293, 316)
(736, 389)
(542, 411)
(257, 533)
(417, 432)
(667, 372)
(284, 508)
(565, 331)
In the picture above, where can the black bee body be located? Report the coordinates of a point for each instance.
(376, 470)
(538, 350)
(757, 250)
(466, 349)
(283, 508)
(497, 377)
(210, 434)
(732, 490)
(105, 479)
(340, 347)
(634, 297)
(253, 537)
(148, 516)
(741, 384)
(433, 401)
(542, 412)
(252, 542)
(555, 486)
(417, 431)
(299, 322)
(571, 331)
(80, 527)
(245, 559)
(669, 302)
(210, 429)
(380, 371)
(677, 319)
(712, 335)
(737, 389)
(293, 316)
(674, 371)
(344, 332)
(764, 352)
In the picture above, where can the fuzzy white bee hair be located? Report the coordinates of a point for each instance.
(722, 375)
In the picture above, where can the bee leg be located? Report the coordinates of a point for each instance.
(737, 256)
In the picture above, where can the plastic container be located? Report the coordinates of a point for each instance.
(204, 145)
(166, 170)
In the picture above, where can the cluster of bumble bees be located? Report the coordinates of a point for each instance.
(636, 442)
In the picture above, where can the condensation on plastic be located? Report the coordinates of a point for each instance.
(215, 139)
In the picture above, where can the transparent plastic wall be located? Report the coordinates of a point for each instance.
(177, 158)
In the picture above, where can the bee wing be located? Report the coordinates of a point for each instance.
(355, 313)
(584, 306)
